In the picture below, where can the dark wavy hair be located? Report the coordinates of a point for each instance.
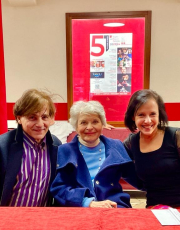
(137, 100)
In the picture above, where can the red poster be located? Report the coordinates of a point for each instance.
(108, 61)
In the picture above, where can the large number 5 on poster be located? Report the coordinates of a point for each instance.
(96, 44)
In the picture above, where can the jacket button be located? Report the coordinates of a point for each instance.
(57, 165)
(112, 184)
(97, 182)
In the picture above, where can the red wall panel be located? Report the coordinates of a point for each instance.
(3, 108)
(62, 113)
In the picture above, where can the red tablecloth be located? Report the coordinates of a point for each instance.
(78, 218)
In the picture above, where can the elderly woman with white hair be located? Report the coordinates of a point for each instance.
(90, 166)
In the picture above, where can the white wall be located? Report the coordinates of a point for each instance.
(35, 45)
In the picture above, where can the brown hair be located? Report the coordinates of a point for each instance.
(33, 101)
(139, 98)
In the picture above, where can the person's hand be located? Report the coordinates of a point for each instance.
(109, 127)
(103, 204)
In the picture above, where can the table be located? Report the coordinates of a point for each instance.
(47, 218)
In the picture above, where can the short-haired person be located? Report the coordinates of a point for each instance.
(90, 166)
(154, 148)
(28, 154)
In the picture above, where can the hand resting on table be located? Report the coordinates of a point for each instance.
(103, 204)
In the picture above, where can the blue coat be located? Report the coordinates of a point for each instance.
(11, 152)
(73, 181)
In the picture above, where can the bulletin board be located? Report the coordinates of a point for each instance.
(108, 58)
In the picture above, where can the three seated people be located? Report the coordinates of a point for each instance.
(35, 167)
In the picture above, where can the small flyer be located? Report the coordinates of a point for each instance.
(111, 63)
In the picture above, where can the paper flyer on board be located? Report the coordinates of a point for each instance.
(111, 63)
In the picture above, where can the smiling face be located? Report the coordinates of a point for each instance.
(36, 125)
(123, 70)
(147, 118)
(89, 127)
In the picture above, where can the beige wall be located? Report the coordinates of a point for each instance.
(35, 48)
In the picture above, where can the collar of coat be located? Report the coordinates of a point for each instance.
(114, 151)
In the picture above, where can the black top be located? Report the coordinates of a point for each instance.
(159, 170)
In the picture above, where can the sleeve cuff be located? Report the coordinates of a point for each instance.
(87, 201)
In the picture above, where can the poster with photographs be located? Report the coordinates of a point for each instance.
(111, 63)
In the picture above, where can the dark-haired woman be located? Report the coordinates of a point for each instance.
(153, 147)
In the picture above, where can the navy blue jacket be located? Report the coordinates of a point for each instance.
(11, 152)
(73, 181)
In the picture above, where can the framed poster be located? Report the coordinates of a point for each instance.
(108, 58)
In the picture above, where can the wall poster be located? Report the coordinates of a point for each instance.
(108, 58)
(110, 63)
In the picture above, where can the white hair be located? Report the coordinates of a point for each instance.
(86, 107)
